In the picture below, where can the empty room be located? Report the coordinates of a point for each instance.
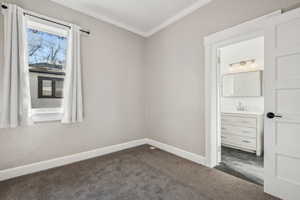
(149, 100)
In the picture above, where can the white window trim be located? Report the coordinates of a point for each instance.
(46, 114)
(47, 28)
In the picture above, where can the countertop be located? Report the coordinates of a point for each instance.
(243, 112)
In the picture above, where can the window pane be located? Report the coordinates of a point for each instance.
(59, 88)
(47, 59)
(46, 51)
(47, 88)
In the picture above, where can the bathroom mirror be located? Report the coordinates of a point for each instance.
(243, 84)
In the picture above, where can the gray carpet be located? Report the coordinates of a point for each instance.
(134, 174)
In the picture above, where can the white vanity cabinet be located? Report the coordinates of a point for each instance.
(243, 131)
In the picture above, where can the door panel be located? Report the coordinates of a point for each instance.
(288, 67)
(282, 96)
(288, 169)
(288, 134)
(288, 33)
(286, 101)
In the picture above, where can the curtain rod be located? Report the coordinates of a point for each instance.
(29, 14)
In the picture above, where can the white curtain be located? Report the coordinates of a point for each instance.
(72, 103)
(15, 107)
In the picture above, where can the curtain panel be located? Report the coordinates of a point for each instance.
(72, 102)
(15, 108)
(16, 102)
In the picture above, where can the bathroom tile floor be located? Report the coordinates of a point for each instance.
(242, 164)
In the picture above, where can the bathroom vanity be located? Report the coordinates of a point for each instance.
(243, 130)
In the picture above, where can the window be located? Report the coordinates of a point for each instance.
(49, 87)
(47, 53)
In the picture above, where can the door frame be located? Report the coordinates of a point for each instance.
(212, 43)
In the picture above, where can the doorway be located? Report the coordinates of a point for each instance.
(241, 104)
(281, 97)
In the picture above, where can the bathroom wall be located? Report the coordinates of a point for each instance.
(246, 50)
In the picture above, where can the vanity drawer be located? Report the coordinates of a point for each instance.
(243, 142)
(238, 121)
(236, 130)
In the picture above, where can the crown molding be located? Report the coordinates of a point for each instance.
(127, 27)
(178, 16)
(102, 18)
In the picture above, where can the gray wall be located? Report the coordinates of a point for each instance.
(126, 75)
(112, 61)
(175, 69)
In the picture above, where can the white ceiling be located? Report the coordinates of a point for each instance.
(143, 17)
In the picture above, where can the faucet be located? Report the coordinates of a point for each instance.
(240, 106)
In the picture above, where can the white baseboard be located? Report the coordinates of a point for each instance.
(57, 162)
(178, 152)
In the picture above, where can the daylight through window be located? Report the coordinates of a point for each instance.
(47, 51)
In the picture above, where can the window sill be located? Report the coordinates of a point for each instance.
(47, 115)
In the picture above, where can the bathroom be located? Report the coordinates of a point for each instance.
(241, 103)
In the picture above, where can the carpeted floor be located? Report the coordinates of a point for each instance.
(135, 174)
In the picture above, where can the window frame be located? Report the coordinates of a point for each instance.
(53, 86)
(47, 114)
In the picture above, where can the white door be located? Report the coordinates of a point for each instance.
(282, 105)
